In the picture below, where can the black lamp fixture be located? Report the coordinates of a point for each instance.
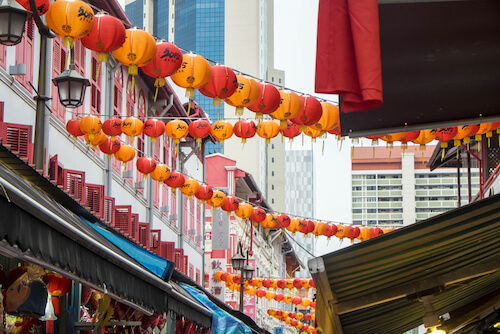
(247, 273)
(12, 22)
(238, 261)
(71, 86)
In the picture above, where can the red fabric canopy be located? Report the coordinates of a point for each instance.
(348, 53)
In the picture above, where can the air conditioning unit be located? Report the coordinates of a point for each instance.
(128, 174)
(165, 209)
(192, 231)
(173, 217)
(139, 185)
(198, 238)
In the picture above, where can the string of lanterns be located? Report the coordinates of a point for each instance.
(295, 319)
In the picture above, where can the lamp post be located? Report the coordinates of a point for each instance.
(238, 262)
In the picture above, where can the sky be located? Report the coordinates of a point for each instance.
(295, 23)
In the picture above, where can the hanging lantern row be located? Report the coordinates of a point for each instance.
(272, 283)
(294, 319)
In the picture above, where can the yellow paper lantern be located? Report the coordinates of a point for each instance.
(217, 200)
(290, 106)
(270, 295)
(161, 172)
(70, 19)
(244, 210)
(97, 139)
(268, 129)
(246, 94)
(270, 221)
(305, 302)
(176, 129)
(190, 187)
(330, 118)
(287, 299)
(222, 130)
(125, 153)
(138, 50)
(194, 73)
(132, 127)
(313, 133)
(90, 125)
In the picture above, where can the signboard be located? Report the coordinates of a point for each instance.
(249, 300)
(220, 229)
(218, 289)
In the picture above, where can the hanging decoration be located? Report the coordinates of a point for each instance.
(244, 129)
(269, 100)
(137, 51)
(204, 193)
(167, 61)
(73, 128)
(291, 131)
(90, 125)
(258, 215)
(110, 146)
(95, 139)
(409, 137)
(42, 6)
(175, 180)
(484, 128)
(222, 130)
(231, 203)
(320, 229)
(190, 187)
(70, 20)
(313, 133)
(330, 118)
(444, 135)
(132, 127)
(296, 224)
(217, 199)
(146, 165)
(283, 220)
(160, 173)
(290, 106)
(194, 73)
(199, 129)
(268, 223)
(176, 129)
(125, 153)
(222, 84)
(331, 230)
(112, 127)
(390, 138)
(244, 210)
(154, 128)
(425, 137)
(107, 35)
(268, 129)
(245, 95)
(308, 227)
(310, 114)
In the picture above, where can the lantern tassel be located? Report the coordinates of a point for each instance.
(323, 148)
(156, 94)
(373, 155)
(189, 107)
(352, 152)
(98, 70)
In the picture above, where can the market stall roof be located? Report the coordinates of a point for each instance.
(38, 228)
(439, 66)
(376, 286)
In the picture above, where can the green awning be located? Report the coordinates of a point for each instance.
(376, 286)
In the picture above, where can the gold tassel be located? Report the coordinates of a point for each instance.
(189, 107)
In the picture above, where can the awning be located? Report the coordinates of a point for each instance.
(377, 286)
(38, 229)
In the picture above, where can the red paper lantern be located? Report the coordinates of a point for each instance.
(353, 232)
(153, 128)
(73, 128)
(309, 226)
(376, 231)
(291, 131)
(110, 146)
(244, 129)
(222, 84)
(281, 283)
(296, 300)
(279, 297)
(294, 322)
(268, 101)
(307, 316)
(146, 165)
(230, 204)
(175, 180)
(409, 137)
(446, 134)
(167, 61)
(311, 283)
(112, 127)
(42, 6)
(57, 284)
(260, 293)
(199, 129)
(283, 220)
(266, 282)
(313, 305)
(107, 35)
(258, 215)
(311, 112)
(204, 193)
(331, 230)
(297, 283)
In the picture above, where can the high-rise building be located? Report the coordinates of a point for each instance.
(238, 34)
(300, 181)
(394, 187)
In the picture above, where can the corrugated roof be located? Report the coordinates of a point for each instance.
(376, 284)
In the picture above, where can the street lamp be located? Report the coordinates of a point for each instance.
(71, 85)
(238, 262)
(12, 22)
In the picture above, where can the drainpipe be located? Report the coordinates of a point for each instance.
(202, 243)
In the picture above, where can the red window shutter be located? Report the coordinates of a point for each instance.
(95, 198)
(185, 264)
(123, 218)
(3, 55)
(58, 66)
(173, 205)
(155, 242)
(198, 221)
(156, 195)
(168, 251)
(191, 216)
(74, 184)
(191, 270)
(24, 55)
(198, 276)
(18, 136)
(164, 198)
(53, 168)
(134, 226)
(186, 217)
(145, 235)
(109, 210)
(95, 79)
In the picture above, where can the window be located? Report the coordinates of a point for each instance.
(272, 187)
(24, 55)
(95, 92)
(371, 188)
(272, 200)
(357, 211)
(272, 173)
(357, 188)
(371, 210)
(59, 53)
(272, 159)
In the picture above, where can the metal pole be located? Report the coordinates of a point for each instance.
(40, 106)
(242, 287)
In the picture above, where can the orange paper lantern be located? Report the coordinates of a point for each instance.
(125, 153)
(245, 95)
(176, 129)
(137, 51)
(160, 173)
(244, 210)
(190, 187)
(132, 127)
(290, 106)
(90, 125)
(222, 130)
(194, 73)
(217, 199)
(268, 129)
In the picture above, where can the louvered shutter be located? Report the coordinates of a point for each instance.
(109, 210)
(123, 218)
(74, 184)
(95, 198)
